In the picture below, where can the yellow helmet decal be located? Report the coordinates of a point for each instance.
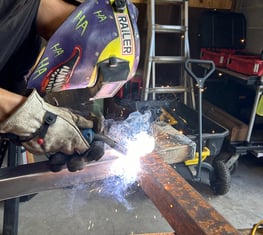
(122, 47)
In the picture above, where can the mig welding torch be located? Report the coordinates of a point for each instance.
(75, 162)
(57, 160)
(91, 136)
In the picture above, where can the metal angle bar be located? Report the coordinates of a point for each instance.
(172, 89)
(169, 28)
(168, 59)
(36, 177)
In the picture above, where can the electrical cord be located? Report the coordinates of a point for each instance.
(256, 226)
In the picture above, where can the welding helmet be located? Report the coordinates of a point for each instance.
(97, 46)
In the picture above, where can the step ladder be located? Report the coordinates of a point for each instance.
(184, 85)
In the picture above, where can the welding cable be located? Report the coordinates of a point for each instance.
(113, 144)
(256, 226)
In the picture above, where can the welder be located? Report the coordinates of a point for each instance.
(89, 44)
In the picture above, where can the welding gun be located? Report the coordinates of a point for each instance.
(91, 136)
(95, 152)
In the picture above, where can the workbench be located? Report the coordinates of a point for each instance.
(182, 206)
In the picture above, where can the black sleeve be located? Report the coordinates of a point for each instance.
(19, 42)
(17, 18)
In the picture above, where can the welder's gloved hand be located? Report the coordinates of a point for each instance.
(44, 128)
(76, 162)
(98, 122)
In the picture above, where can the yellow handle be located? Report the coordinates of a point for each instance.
(260, 106)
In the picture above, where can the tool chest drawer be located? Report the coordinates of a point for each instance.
(246, 64)
(218, 56)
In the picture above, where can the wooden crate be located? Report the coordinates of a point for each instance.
(237, 129)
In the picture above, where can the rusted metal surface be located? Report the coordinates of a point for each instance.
(183, 207)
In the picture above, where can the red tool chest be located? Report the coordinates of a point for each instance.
(246, 64)
(218, 56)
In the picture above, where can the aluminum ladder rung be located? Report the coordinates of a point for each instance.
(169, 28)
(167, 89)
(169, 1)
(167, 59)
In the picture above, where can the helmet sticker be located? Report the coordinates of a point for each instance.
(82, 22)
(58, 77)
(126, 36)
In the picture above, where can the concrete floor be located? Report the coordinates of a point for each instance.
(90, 209)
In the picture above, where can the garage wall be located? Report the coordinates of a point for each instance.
(253, 9)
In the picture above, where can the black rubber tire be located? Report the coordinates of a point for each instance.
(221, 179)
(225, 156)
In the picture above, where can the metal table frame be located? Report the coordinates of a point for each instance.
(11, 206)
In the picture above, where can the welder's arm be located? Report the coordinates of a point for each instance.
(9, 102)
(41, 127)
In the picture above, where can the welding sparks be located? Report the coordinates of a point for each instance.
(129, 165)
(134, 134)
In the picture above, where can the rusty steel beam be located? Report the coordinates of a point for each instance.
(182, 206)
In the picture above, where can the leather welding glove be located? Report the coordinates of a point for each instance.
(76, 163)
(43, 128)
